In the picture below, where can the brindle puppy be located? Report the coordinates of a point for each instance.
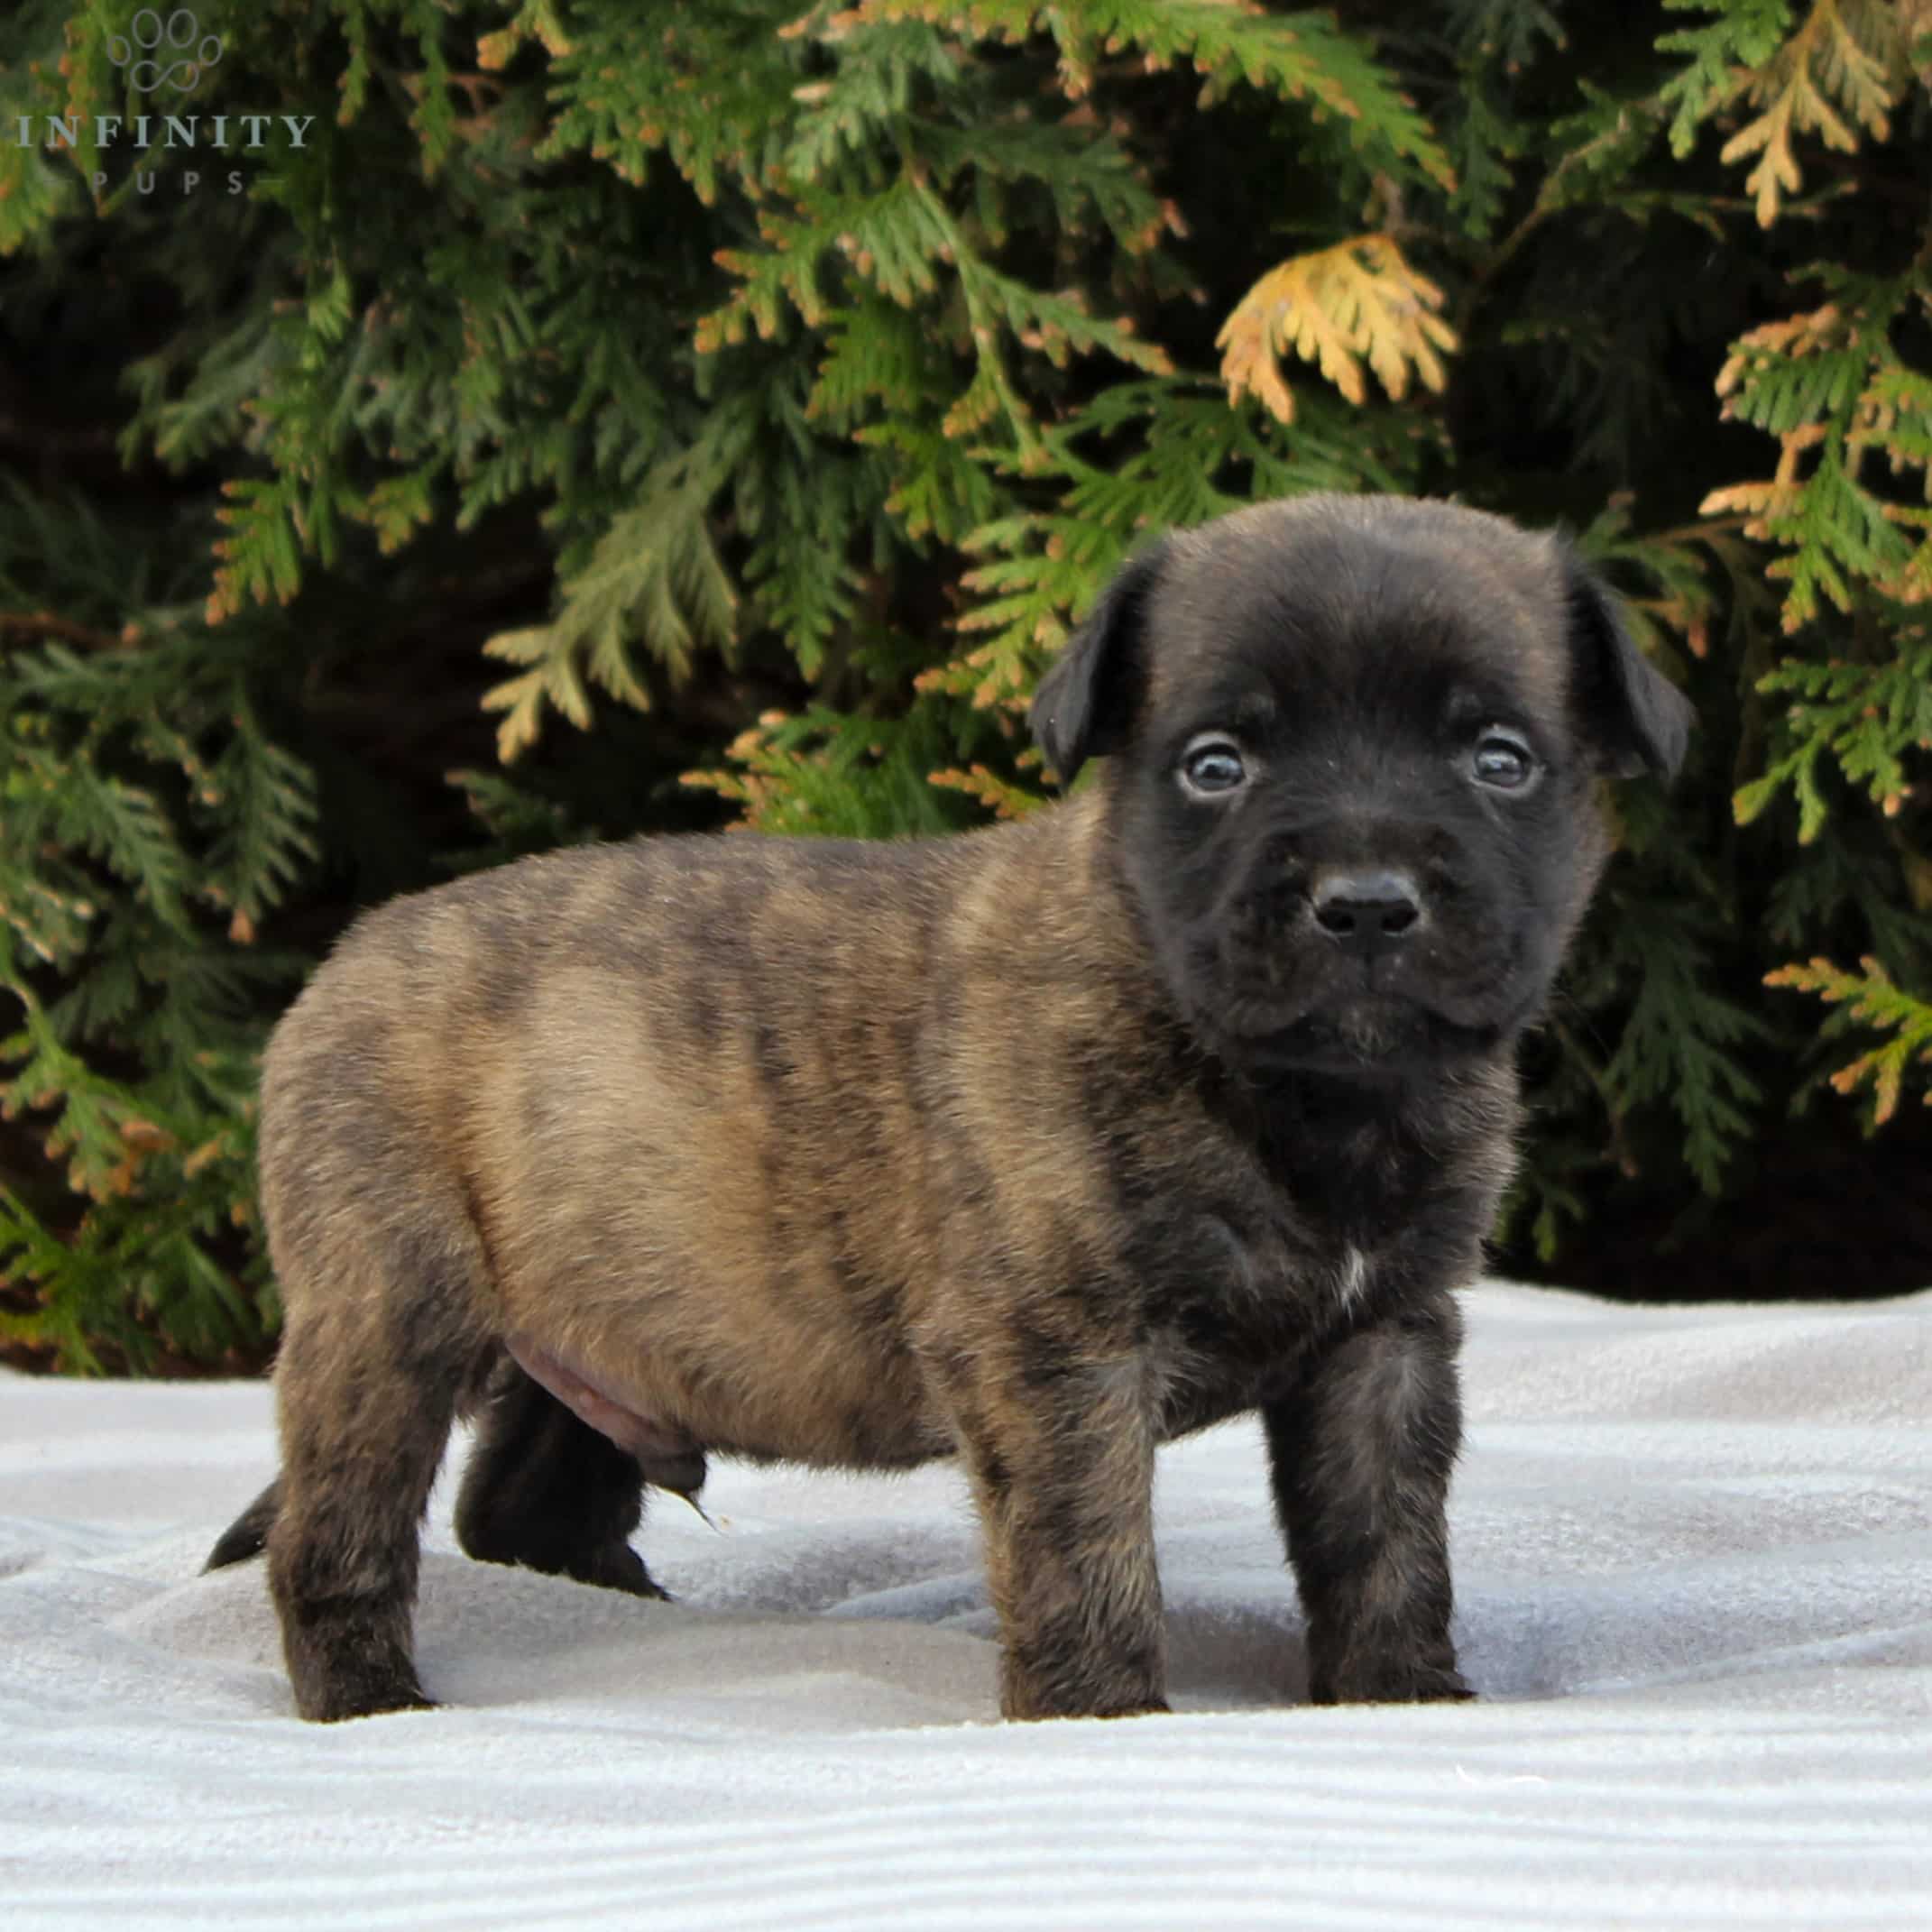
(1040, 1145)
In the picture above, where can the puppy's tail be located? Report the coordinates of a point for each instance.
(246, 1535)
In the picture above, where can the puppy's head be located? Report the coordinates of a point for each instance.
(1355, 742)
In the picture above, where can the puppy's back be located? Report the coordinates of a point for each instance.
(684, 1092)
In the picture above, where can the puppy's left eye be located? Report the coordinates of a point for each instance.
(1503, 762)
(1212, 766)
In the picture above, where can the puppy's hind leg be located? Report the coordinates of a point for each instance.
(384, 1337)
(546, 1490)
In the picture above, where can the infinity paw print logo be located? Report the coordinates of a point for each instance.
(174, 50)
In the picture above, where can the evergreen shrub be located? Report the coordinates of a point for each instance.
(437, 430)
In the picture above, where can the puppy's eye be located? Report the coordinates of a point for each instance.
(1503, 762)
(1212, 765)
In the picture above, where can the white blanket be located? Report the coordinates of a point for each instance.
(1694, 1568)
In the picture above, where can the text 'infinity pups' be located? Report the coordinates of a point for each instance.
(1038, 1147)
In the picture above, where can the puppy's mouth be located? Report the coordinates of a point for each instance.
(1376, 1021)
(1279, 1005)
(1374, 1038)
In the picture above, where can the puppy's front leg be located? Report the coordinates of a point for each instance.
(1062, 1459)
(1360, 1452)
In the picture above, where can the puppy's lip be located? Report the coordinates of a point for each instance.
(1366, 1011)
(1252, 1008)
(1369, 1037)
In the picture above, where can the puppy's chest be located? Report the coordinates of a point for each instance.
(1235, 1284)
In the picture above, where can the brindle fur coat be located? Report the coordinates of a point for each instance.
(1039, 1146)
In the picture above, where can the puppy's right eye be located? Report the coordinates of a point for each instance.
(1211, 766)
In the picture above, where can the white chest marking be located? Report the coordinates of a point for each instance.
(1354, 1275)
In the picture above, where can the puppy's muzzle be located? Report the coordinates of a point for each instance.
(1367, 914)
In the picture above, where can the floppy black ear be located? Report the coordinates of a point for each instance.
(1636, 717)
(1085, 703)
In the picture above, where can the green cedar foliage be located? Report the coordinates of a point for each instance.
(615, 415)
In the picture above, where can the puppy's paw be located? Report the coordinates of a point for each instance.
(334, 1684)
(1028, 1694)
(1137, 1707)
(618, 1566)
(1391, 1680)
(364, 1700)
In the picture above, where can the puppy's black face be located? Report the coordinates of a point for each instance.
(1364, 837)
(1356, 745)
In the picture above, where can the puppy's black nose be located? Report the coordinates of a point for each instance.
(1366, 913)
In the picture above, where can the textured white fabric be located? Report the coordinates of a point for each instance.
(1694, 1565)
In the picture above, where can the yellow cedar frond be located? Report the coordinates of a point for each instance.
(1796, 335)
(522, 700)
(1336, 307)
(1848, 52)
(537, 21)
(1002, 798)
(1760, 504)
(1871, 998)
